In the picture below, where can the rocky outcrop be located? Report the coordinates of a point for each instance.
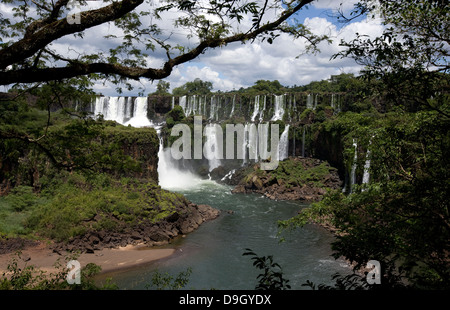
(182, 221)
(14, 244)
(142, 145)
(297, 178)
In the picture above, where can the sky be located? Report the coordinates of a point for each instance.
(241, 65)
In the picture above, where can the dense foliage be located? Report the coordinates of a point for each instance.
(401, 218)
(398, 120)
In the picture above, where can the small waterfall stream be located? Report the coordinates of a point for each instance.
(284, 144)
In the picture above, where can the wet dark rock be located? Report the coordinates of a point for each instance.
(185, 219)
(308, 183)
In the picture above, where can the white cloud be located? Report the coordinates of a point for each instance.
(245, 64)
(344, 5)
(239, 65)
(186, 73)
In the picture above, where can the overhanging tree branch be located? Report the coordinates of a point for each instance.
(43, 34)
(24, 48)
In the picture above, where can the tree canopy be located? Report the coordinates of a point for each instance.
(401, 217)
(29, 33)
(196, 87)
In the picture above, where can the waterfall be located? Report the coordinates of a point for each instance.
(263, 139)
(245, 145)
(218, 106)
(232, 107)
(256, 108)
(366, 174)
(253, 142)
(228, 175)
(261, 115)
(190, 105)
(279, 108)
(353, 173)
(309, 102)
(129, 109)
(214, 139)
(140, 118)
(202, 105)
(218, 109)
(283, 146)
(182, 104)
(170, 177)
(98, 107)
(213, 106)
(111, 112)
(121, 110)
(115, 109)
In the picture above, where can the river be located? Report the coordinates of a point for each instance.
(214, 251)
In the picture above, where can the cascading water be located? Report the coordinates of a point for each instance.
(366, 174)
(133, 111)
(121, 110)
(261, 115)
(255, 109)
(129, 109)
(245, 145)
(279, 108)
(211, 148)
(232, 107)
(253, 142)
(113, 108)
(98, 107)
(253, 216)
(212, 111)
(140, 118)
(309, 102)
(170, 177)
(284, 144)
(182, 103)
(263, 139)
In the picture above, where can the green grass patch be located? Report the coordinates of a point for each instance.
(294, 173)
(79, 205)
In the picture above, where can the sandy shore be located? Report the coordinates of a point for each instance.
(109, 259)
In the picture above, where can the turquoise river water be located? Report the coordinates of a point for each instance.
(214, 251)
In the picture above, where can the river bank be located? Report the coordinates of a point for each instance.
(42, 257)
(111, 251)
